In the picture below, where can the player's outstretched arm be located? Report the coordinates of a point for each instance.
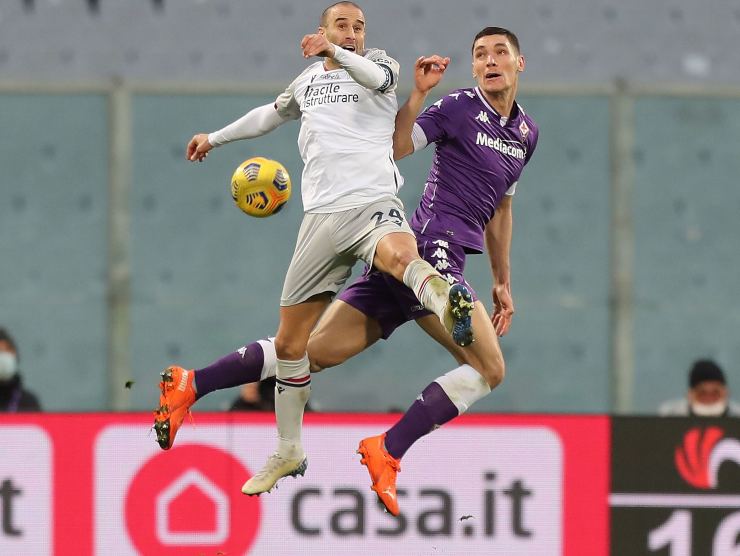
(428, 72)
(255, 123)
(498, 244)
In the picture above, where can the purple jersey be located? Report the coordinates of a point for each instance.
(478, 156)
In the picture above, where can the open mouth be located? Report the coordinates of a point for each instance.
(492, 75)
(350, 47)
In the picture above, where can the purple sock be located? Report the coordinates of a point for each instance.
(433, 409)
(235, 369)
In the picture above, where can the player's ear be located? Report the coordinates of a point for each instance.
(520, 63)
(321, 30)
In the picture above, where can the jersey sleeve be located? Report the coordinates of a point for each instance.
(438, 120)
(390, 66)
(286, 104)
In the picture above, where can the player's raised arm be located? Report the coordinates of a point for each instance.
(255, 123)
(428, 72)
(370, 74)
(498, 244)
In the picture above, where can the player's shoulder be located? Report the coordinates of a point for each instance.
(379, 56)
(455, 102)
(464, 96)
(460, 99)
(308, 72)
(526, 117)
(527, 126)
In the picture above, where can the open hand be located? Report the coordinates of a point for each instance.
(428, 71)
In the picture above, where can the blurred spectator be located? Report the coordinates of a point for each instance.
(256, 396)
(708, 394)
(13, 397)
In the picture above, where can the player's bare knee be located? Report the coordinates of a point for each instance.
(319, 353)
(314, 365)
(401, 258)
(319, 362)
(289, 350)
(494, 374)
(493, 371)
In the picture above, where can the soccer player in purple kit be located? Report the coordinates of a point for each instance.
(483, 141)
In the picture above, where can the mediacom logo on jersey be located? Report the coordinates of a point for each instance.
(499, 145)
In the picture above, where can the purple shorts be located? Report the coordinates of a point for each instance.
(390, 302)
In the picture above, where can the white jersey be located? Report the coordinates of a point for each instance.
(346, 136)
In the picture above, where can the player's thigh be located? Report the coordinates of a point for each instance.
(394, 252)
(484, 354)
(296, 323)
(342, 332)
(316, 267)
(361, 231)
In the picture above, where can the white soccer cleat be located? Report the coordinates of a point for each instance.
(275, 469)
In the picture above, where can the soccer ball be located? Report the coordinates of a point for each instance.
(260, 186)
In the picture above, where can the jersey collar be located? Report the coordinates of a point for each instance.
(503, 120)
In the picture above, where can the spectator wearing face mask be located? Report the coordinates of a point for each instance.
(13, 397)
(708, 394)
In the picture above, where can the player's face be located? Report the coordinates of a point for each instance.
(346, 27)
(496, 63)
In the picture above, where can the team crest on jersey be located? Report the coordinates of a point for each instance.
(524, 129)
(483, 117)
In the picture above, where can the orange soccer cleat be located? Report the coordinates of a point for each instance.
(178, 395)
(383, 469)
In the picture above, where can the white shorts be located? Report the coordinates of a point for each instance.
(330, 244)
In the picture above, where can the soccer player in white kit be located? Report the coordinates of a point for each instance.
(347, 107)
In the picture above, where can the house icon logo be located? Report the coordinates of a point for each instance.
(192, 489)
(189, 500)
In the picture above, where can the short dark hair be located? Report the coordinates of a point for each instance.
(705, 370)
(497, 31)
(325, 13)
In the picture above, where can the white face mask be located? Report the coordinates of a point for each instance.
(8, 365)
(709, 409)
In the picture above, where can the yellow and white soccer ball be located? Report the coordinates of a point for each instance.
(260, 186)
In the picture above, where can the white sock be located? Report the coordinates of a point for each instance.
(464, 386)
(292, 390)
(269, 365)
(429, 286)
